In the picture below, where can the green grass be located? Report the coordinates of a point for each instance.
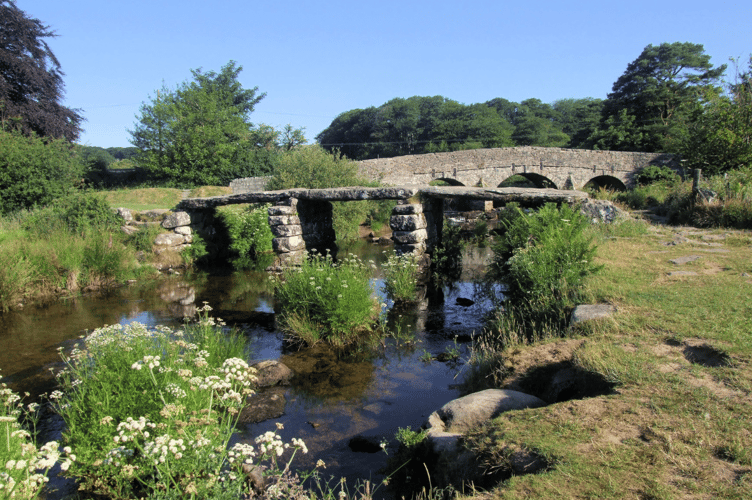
(143, 198)
(674, 428)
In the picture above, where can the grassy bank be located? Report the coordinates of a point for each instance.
(677, 353)
(72, 245)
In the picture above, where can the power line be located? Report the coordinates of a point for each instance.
(409, 142)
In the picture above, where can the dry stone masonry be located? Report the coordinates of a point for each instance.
(565, 168)
(301, 219)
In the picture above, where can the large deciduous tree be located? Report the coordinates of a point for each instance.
(651, 104)
(201, 132)
(720, 137)
(31, 82)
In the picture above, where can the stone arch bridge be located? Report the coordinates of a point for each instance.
(545, 167)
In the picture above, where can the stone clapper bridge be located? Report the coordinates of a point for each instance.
(301, 219)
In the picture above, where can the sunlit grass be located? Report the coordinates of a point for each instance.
(144, 198)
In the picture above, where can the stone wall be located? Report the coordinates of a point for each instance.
(566, 168)
(249, 184)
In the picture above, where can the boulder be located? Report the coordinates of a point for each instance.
(407, 222)
(600, 211)
(468, 412)
(169, 239)
(266, 404)
(271, 373)
(176, 219)
(289, 244)
(125, 214)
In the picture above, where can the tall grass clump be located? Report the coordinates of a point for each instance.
(71, 244)
(543, 258)
(23, 466)
(150, 412)
(249, 233)
(401, 277)
(327, 301)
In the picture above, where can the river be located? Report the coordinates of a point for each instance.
(332, 398)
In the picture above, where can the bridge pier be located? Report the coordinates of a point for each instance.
(299, 226)
(416, 227)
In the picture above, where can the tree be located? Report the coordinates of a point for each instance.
(655, 97)
(200, 133)
(720, 137)
(413, 126)
(31, 81)
(577, 118)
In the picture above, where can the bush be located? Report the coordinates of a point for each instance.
(34, 172)
(78, 214)
(446, 261)
(653, 173)
(249, 233)
(150, 413)
(328, 301)
(543, 258)
(313, 167)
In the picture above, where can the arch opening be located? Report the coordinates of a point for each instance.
(445, 181)
(606, 182)
(528, 180)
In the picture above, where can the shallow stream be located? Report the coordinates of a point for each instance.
(332, 398)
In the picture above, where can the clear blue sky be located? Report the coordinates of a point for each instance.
(316, 60)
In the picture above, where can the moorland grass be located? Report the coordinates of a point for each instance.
(44, 254)
(674, 427)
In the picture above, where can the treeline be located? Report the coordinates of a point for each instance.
(435, 124)
(670, 99)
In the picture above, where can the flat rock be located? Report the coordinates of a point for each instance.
(587, 312)
(264, 405)
(682, 273)
(684, 260)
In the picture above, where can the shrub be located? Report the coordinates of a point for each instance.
(401, 277)
(150, 413)
(653, 173)
(446, 261)
(328, 301)
(34, 172)
(249, 233)
(543, 258)
(314, 168)
(78, 213)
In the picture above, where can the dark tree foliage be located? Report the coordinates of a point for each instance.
(31, 82)
(415, 125)
(651, 104)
